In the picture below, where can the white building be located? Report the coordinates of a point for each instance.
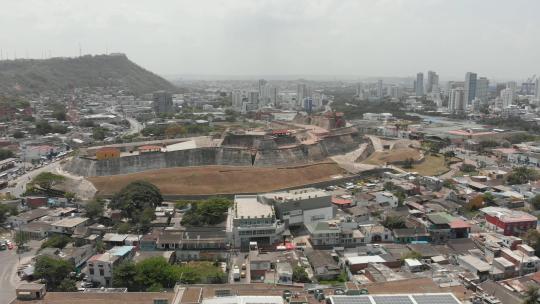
(482, 89)
(456, 101)
(385, 197)
(432, 81)
(237, 99)
(100, 266)
(68, 225)
(507, 97)
(419, 84)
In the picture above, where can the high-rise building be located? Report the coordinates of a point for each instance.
(395, 92)
(380, 89)
(432, 80)
(470, 87)
(419, 85)
(253, 97)
(237, 99)
(507, 97)
(162, 102)
(482, 89)
(456, 101)
(537, 89)
(260, 87)
(301, 93)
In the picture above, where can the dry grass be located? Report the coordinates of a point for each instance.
(431, 166)
(221, 179)
(395, 155)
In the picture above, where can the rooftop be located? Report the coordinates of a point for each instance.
(70, 222)
(248, 206)
(507, 215)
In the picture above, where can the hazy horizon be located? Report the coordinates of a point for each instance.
(379, 38)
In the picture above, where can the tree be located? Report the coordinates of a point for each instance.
(6, 210)
(535, 202)
(522, 175)
(56, 241)
(99, 133)
(300, 275)
(488, 197)
(532, 237)
(408, 163)
(124, 276)
(4, 154)
(412, 255)
(20, 239)
(43, 127)
(532, 295)
(67, 285)
(46, 180)
(156, 270)
(209, 212)
(174, 130)
(394, 222)
(123, 228)
(52, 270)
(449, 154)
(18, 134)
(60, 114)
(133, 199)
(467, 168)
(94, 209)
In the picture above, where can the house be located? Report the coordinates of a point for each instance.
(324, 266)
(442, 227)
(475, 265)
(100, 267)
(409, 235)
(36, 201)
(30, 291)
(508, 222)
(68, 225)
(386, 198)
(335, 233)
(35, 230)
(284, 273)
(376, 233)
(27, 217)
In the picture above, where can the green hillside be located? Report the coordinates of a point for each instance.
(34, 75)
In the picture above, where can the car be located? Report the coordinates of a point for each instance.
(10, 246)
(243, 266)
(86, 284)
(243, 274)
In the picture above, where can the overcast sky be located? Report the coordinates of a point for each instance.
(498, 39)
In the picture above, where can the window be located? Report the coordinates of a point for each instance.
(101, 272)
(91, 270)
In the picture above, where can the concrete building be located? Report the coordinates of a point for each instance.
(419, 85)
(507, 98)
(537, 90)
(253, 221)
(482, 89)
(456, 101)
(162, 102)
(508, 222)
(432, 81)
(470, 87)
(68, 225)
(237, 99)
(301, 206)
(100, 267)
(380, 89)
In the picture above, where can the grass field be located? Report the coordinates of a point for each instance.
(395, 155)
(431, 166)
(221, 179)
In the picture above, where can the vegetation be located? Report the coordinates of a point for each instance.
(47, 180)
(535, 202)
(54, 272)
(43, 127)
(514, 123)
(18, 134)
(209, 212)
(394, 222)
(467, 168)
(154, 274)
(56, 241)
(5, 211)
(176, 130)
(137, 201)
(99, 133)
(411, 255)
(5, 154)
(66, 73)
(300, 275)
(532, 237)
(522, 175)
(21, 239)
(94, 209)
(532, 295)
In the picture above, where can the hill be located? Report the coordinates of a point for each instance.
(36, 75)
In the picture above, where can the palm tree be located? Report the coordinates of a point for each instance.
(532, 295)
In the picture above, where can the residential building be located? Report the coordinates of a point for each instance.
(237, 99)
(333, 233)
(419, 85)
(456, 101)
(537, 90)
(432, 81)
(101, 266)
(482, 89)
(380, 89)
(68, 225)
(507, 98)
(324, 265)
(470, 87)
(162, 102)
(508, 222)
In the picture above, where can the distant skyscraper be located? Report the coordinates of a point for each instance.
(253, 97)
(419, 85)
(260, 87)
(537, 89)
(162, 102)
(237, 99)
(301, 93)
(432, 80)
(482, 89)
(395, 92)
(507, 97)
(470, 87)
(456, 101)
(380, 89)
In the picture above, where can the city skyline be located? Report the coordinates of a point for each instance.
(280, 38)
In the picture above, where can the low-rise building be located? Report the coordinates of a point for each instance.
(101, 266)
(508, 222)
(68, 225)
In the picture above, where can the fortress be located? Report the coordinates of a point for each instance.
(291, 144)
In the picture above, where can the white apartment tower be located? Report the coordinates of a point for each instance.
(237, 99)
(482, 89)
(456, 101)
(432, 81)
(507, 97)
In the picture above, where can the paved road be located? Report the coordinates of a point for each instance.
(134, 125)
(9, 280)
(20, 182)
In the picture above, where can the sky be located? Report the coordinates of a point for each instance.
(378, 38)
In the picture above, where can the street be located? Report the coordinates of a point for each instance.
(20, 182)
(9, 280)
